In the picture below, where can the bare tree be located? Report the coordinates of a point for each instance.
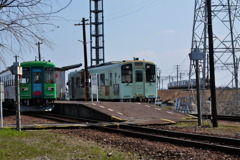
(25, 22)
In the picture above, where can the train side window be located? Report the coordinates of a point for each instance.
(102, 79)
(98, 80)
(115, 78)
(26, 75)
(49, 75)
(139, 75)
(82, 82)
(111, 79)
(78, 82)
(150, 73)
(127, 73)
(10, 81)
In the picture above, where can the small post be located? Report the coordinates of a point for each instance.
(18, 103)
(197, 55)
(1, 100)
(17, 70)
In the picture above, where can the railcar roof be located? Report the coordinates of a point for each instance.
(37, 63)
(119, 62)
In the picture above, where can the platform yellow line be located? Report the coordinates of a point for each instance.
(191, 117)
(114, 118)
(168, 120)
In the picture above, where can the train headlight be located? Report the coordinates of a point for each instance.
(24, 89)
(50, 88)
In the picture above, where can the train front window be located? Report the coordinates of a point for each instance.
(127, 73)
(139, 75)
(150, 73)
(26, 75)
(49, 75)
(37, 77)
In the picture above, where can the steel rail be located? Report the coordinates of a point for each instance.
(192, 136)
(172, 140)
(221, 117)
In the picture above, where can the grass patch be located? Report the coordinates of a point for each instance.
(11, 133)
(170, 107)
(192, 124)
(48, 145)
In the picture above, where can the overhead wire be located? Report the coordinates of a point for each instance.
(134, 8)
(138, 8)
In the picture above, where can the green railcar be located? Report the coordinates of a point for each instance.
(122, 81)
(38, 86)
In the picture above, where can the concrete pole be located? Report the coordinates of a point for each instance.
(212, 68)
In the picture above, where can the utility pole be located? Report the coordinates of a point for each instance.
(159, 79)
(162, 83)
(212, 69)
(198, 94)
(181, 76)
(226, 49)
(177, 75)
(39, 52)
(85, 59)
(1, 101)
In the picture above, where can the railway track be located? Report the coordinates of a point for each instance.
(220, 117)
(226, 145)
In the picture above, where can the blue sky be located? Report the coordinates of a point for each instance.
(153, 30)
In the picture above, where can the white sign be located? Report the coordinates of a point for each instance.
(94, 85)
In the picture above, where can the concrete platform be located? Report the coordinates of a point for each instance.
(37, 108)
(127, 112)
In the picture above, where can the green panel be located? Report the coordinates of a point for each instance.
(50, 91)
(25, 91)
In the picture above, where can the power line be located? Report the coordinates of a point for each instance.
(144, 6)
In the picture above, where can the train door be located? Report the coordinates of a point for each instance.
(139, 83)
(37, 82)
(126, 88)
